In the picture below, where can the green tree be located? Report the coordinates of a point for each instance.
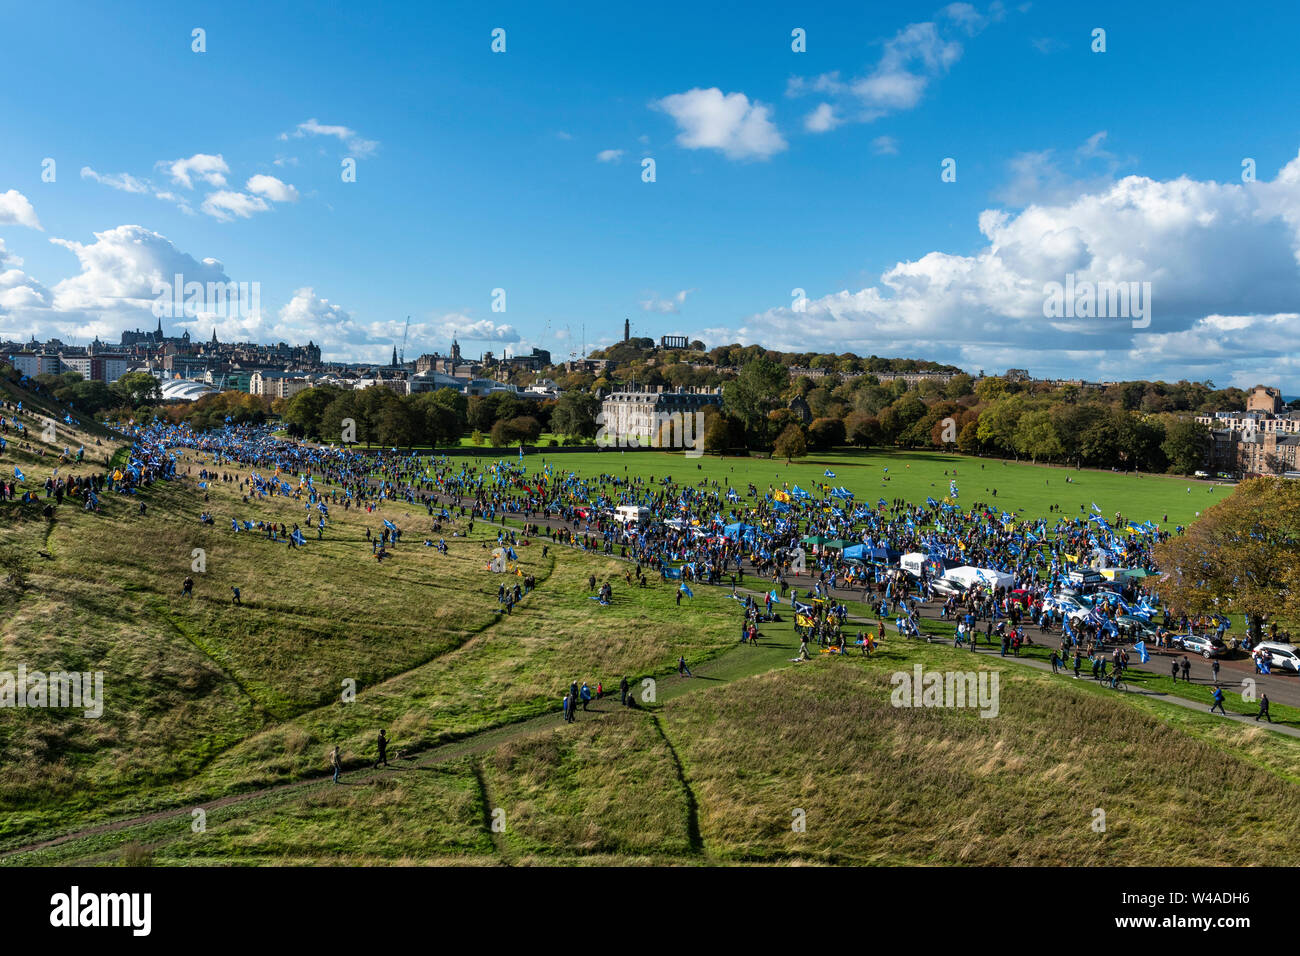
(826, 433)
(1241, 556)
(790, 444)
(306, 408)
(332, 420)
(1186, 445)
(397, 426)
(862, 429)
(1036, 436)
(137, 388)
(758, 386)
(575, 415)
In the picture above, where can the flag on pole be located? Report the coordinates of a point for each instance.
(18, 474)
(1141, 649)
(685, 590)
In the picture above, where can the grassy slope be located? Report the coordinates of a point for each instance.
(715, 774)
(204, 697)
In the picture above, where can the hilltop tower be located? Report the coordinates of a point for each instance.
(627, 330)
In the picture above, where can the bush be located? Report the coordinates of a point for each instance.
(16, 567)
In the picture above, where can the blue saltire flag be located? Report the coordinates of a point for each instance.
(298, 538)
(234, 525)
(19, 475)
(883, 503)
(685, 590)
(776, 598)
(828, 473)
(389, 525)
(67, 419)
(1095, 508)
(1141, 648)
(203, 484)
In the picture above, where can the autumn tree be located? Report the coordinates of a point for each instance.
(1241, 556)
(791, 443)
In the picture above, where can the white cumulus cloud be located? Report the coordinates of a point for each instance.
(271, 188)
(206, 167)
(226, 205)
(710, 119)
(16, 210)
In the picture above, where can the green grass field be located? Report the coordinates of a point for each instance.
(1021, 487)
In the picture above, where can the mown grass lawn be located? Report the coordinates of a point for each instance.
(1021, 487)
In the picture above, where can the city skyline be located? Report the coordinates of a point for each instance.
(799, 199)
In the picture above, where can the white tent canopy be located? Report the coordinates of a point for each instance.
(971, 576)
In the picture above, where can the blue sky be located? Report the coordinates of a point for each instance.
(775, 170)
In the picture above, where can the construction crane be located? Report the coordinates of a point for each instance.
(405, 333)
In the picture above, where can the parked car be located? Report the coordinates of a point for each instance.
(1138, 628)
(947, 587)
(1281, 656)
(1021, 597)
(1207, 645)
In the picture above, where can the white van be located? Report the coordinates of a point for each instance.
(913, 562)
(631, 514)
(1282, 656)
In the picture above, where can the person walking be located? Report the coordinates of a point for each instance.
(336, 762)
(1187, 670)
(568, 709)
(235, 596)
(382, 743)
(187, 587)
(1218, 701)
(682, 669)
(1077, 661)
(1263, 709)
(1214, 670)
(585, 695)
(622, 692)
(1173, 669)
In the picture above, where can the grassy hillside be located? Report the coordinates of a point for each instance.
(718, 773)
